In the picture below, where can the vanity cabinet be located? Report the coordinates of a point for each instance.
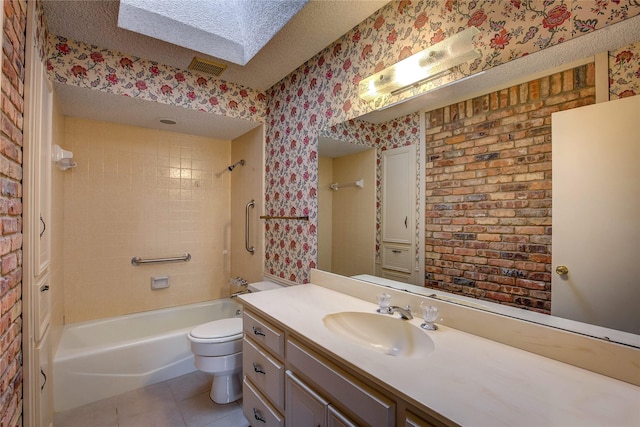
(263, 371)
(288, 382)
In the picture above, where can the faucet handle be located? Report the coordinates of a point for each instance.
(384, 301)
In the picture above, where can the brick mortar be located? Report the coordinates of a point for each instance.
(488, 189)
(11, 119)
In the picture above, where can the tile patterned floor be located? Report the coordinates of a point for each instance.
(179, 402)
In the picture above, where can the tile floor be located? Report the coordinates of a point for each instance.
(179, 402)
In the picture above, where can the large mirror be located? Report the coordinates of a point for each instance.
(364, 149)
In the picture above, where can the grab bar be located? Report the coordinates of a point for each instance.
(137, 260)
(249, 249)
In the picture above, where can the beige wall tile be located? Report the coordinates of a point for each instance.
(146, 193)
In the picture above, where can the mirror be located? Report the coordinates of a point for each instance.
(366, 131)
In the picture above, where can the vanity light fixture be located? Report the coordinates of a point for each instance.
(431, 63)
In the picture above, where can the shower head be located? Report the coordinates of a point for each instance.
(233, 166)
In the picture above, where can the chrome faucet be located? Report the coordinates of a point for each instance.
(405, 313)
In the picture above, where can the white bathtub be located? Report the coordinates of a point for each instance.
(106, 357)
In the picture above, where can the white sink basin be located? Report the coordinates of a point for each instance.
(380, 332)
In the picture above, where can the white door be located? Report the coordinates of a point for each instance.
(596, 214)
(398, 195)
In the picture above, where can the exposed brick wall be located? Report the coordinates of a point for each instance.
(488, 189)
(11, 107)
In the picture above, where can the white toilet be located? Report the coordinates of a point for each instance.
(217, 350)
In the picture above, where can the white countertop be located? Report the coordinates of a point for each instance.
(469, 380)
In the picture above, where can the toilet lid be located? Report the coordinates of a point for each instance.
(223, 328)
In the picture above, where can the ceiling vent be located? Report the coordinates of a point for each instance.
(205, 66)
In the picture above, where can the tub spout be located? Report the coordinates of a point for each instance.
(242, 292)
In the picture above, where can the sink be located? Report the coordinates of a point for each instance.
(380, 332)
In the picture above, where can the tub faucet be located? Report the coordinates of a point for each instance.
(405, 313)
(242, 292)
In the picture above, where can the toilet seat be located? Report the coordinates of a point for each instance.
(221, 330)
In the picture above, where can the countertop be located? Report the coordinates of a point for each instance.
(467, 379)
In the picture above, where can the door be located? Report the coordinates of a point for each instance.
(596, 214)
(398, 195)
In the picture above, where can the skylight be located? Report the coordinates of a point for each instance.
(233, 30)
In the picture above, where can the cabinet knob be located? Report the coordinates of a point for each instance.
(562, 270)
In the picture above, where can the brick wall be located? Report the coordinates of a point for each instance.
(11, 106)
(488, 189)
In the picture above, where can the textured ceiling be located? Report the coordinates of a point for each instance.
(318, 24)
(231, 30)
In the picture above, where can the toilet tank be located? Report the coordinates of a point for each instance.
(263, 286)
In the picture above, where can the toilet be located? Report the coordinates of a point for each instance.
(217, 350)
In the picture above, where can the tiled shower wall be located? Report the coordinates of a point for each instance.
(145, 193)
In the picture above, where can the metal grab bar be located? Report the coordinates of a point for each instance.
(249, 249)
(137, 260)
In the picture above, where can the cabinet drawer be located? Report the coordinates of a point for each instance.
(42, 307)
(396, 258)
(373, 408)
(395, 275)
(264, 372)
(257, 410)
(263, 333)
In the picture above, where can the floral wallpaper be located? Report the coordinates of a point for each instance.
(624, 72)
(323, 91)
(78, 64)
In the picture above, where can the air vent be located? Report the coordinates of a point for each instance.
(205, 66)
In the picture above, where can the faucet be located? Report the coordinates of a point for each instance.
(405, 313)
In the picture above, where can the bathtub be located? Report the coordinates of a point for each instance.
(106, 357)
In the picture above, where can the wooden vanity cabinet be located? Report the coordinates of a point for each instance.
(287, 382)
(263, 372)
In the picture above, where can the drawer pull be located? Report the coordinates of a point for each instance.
(258, 416)
(44, 288)
(396, 251)
(257, 331)
(258, 369)
(44, 379)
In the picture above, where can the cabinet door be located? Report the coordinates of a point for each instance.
(336, 418)
(42, 307)
(398, 195)
(304, 407)
(45, 396)
(412, 420)
(39, 131)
